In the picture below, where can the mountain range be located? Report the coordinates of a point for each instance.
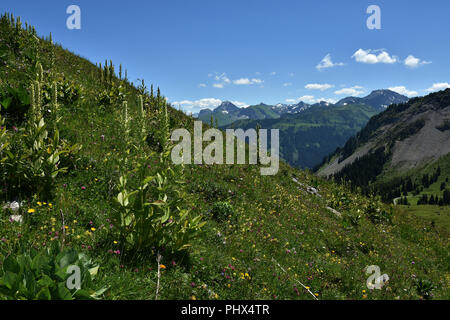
(227, 112)
(307, 132)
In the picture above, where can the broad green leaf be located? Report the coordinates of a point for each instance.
(46, 281)
(44, 294)
(93, 271)
(10, 264)
(63, 292)
(99, 293)
(67, 258)
(11, 280)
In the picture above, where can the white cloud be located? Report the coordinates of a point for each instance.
(365, 56)
(307, 99)
(206, 103)
(328, 63)
(273, 73)
(242, 81)
(209, 103)
(247, 81)
(404, 91)
(257, 81)
(240, 104)
(202, 85)
(222, 77)
(291, 74)
(413, 62)
(438, 86)
(222, 80)
(353, 91)
(287, 84)
(329, 100)
(318, 86)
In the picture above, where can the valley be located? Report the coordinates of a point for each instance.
(88, 184)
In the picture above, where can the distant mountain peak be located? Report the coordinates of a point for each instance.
(227, 106)
(378, 99)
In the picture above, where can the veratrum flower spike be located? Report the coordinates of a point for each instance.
(40, 72)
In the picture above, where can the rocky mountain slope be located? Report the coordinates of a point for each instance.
(411, 134)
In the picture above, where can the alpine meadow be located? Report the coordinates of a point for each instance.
(93, 205)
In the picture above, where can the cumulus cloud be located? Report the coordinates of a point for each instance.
(247, 81)
(328, 100)
(352, 91)
(402, 90)
(287, 84)
(318, 86)
(413, 62)
(206, 103)
(202, 85)
(371, 57)
(438, 86)
(222, 77)
(240, 104)
(328, 63)
(222, 80)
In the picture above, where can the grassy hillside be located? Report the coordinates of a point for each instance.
(130, 219)
(438, 214)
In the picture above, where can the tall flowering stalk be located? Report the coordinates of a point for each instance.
(39, 72)
(143, 117)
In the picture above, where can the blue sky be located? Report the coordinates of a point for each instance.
(201, 52)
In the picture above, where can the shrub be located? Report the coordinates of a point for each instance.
(223, 211)
(153, 212)
(36, 158)
(378, 215)
(14, 104)
(212, 191)
(424, 288)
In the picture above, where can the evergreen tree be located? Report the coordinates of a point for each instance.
(446, 197)
(431, 201)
